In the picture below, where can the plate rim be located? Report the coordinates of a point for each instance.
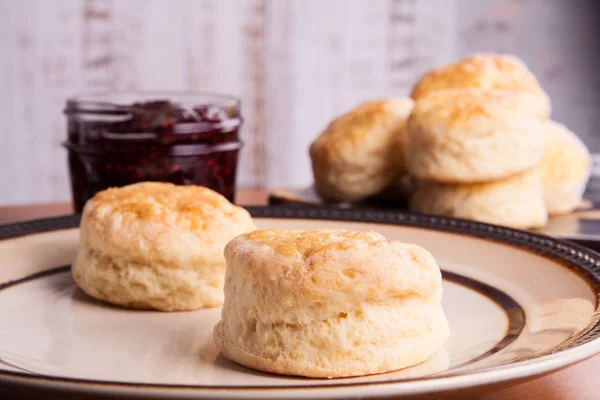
(578, 259)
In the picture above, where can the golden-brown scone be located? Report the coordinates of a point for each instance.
(485, 71)
(157, 246)
(516, 202)
(356, 156)
(470, 135)
(565, 168)
(329, 303)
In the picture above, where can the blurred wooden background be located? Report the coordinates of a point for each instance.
(295, 64)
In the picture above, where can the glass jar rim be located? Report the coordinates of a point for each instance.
(122, 102)
(127, 98)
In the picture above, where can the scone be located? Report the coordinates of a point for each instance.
(467, 136)
(157, 246)
(356, 156)
(485, 71)
(565, 168)
(329, 303)
(516, 202)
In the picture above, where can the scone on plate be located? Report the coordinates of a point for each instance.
(157, 246)
(470, 135)
(329, 303)
(516, 202)
(485, 71)
(357, 156)
(565, 168)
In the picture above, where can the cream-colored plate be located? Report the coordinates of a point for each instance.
(519, 305)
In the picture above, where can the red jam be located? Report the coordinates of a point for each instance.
(187, 139)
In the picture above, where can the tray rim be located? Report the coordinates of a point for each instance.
(580, 260)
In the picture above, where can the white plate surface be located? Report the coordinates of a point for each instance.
(513, 314)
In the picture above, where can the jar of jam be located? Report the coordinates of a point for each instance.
(121, 138)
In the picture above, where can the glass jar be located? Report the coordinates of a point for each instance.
(116, 139)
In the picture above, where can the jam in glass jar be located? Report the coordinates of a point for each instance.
(116, 139)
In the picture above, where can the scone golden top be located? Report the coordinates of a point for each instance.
(329, 303)
(356, 156)
(163, 203)
(462, 106)
(483, 71)
(331, 266)
(162, 223)
(473, 135)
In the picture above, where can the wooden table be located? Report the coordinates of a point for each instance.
(581, 381)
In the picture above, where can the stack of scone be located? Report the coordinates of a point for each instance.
(478, 142)
(474, 153)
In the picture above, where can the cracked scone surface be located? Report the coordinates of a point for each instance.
(466, 136)
(487, 71)
(157, 246)
(357, 155)
(329, 303)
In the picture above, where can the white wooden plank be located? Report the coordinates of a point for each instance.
(252, 81)
(8, 106)
(135, 62)
(201, 44)
(42, 72)
(58, 65)
(225, 54)
(320, 66)
(421, 35)
(323, 58)
(97, 43)
(162, 51)
(296, 64)
(21, 188)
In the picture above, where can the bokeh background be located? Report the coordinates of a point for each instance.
(294, 63)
